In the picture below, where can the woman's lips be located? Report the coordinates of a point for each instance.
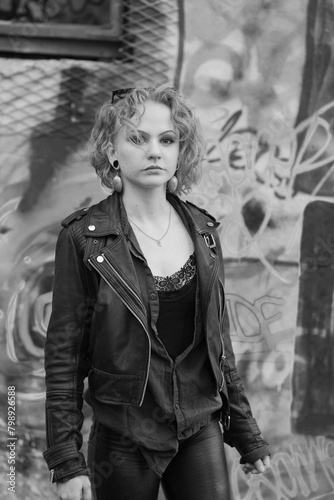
(153, 167)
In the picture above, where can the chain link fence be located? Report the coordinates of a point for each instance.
(51, 95)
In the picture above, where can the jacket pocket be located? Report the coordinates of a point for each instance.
(113, 388)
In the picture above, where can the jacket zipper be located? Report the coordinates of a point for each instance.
(226, 416)
(223, 357)
(221, 314)
(215, 272)
(133, 312)
(48, 428)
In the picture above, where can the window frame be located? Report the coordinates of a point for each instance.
(64, 40)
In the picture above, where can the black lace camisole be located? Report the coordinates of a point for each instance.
(177, 306)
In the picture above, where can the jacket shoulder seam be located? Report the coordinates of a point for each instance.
(76, 231)
(78, 215)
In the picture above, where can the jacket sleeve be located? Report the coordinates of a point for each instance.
(240, 427)
(66, 363)
(243, 432)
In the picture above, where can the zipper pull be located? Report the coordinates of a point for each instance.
(52, 473)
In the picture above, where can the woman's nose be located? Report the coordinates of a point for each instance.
(154, 156)
(153, 152)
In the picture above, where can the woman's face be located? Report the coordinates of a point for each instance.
(152, 161)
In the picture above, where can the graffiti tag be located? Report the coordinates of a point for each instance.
(295, 472)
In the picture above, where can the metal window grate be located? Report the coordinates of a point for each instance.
(44, 96)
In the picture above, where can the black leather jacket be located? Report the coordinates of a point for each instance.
(86, 330)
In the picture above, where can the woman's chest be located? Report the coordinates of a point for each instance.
(170, 255)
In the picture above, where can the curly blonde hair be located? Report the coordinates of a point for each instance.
(110, 115)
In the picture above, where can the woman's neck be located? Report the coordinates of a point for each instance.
(149, 204)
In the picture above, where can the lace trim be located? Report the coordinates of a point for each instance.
(179, 279)
(173, 295)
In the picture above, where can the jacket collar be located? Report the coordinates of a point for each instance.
(109, 216)
(198, 218)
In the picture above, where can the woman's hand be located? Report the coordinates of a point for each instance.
(77, 488)
(257, 467)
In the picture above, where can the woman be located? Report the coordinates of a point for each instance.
(138, 307)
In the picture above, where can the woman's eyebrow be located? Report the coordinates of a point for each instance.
(162, 133)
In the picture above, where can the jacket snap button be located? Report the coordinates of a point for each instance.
(210, 224)
(100, 258)
(91, 227)
(153, 296)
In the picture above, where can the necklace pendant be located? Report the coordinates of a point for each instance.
(159, 243)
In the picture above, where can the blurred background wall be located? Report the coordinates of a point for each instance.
(260, 75)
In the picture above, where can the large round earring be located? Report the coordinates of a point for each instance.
(117, 181)
(172, 184)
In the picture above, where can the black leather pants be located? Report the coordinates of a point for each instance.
(198, 471)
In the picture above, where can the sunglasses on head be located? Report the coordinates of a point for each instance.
(117, 95)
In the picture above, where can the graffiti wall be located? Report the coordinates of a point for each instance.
(260, 77)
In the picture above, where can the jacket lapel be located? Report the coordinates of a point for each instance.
(113, 261)
(203, 231)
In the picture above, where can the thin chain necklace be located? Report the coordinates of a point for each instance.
(158, 241)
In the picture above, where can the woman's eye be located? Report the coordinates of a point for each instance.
(168, 140)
